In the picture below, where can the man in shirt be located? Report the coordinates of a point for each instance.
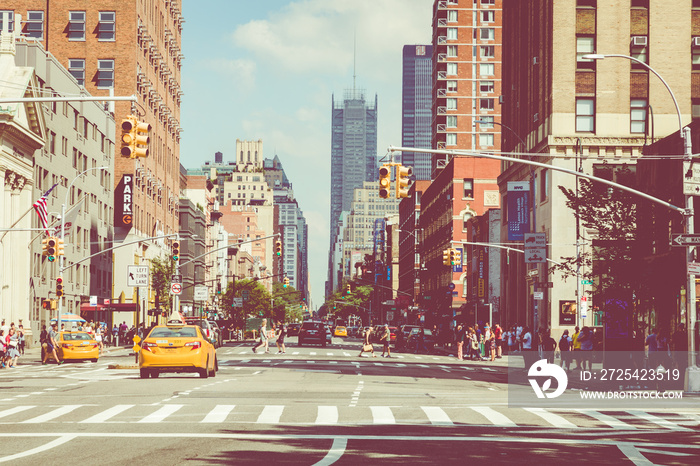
(52, 344)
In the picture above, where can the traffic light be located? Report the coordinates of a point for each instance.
(135, 137)
(59, 247)
(46, 304)
(453, 256)
(278, 247)
(458, 257)
(176, 250)
(403, 175)
(384, 181)
(285, 282)
(349, 289)
(59, 286)
(218, 288)
(446, 257)
(50, 250)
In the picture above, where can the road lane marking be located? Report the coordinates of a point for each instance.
(161, 414)
(52, 444)
(496, 418)
(554, 419)
(382, 415)
(16, 409)
(665, 423)
(271, 414)
(52, 414)
(219, 413)
(337, 449)
(634, 455)
(437, 416)
(606, 419)
(327, 415)
(107, 414)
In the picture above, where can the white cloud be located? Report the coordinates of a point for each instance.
(240, 72)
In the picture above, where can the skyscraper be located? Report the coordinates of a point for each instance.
(353, 151)
(417, 100)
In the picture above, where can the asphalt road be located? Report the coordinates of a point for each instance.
(314, 405)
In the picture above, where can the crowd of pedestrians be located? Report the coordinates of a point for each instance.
(12, 341)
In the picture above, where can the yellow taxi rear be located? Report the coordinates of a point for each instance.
(77, 346)
(176, 347)
(340, 331)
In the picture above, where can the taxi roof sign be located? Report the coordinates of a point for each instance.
(175, 319)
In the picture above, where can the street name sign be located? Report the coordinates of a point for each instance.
(685, 240)
(691, 185)
(201, 293)
(237, 302)
(136, 275)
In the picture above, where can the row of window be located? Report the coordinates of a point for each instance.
(485, 139)
(585, 115)
(34, 24)
(477, 33)
(104, 79)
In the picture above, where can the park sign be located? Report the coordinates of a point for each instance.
(124, 202)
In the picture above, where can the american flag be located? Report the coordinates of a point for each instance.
(40, 207)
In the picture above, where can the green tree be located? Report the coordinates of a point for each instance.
(257, 304)
(341, 304)
(288, 303)
(161, 273)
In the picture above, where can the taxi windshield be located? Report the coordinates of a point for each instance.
(166, 332)
(76, 336)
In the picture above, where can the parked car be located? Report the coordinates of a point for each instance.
(313, 332)
(352, 331)
(414, 340)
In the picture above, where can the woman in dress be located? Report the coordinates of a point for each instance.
(12, 344)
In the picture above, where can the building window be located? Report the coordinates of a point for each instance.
(468, 184)
(451, 104)
(488, 2)
(451, 121)
(451, 139)
(452, 16)
(639, 50)
(486, 140)
(696, 109)
(488, 51)
(76, 67)
(486, 122)
(585, 45)
(638, 116)
(35, 25)
(451, 86)
(451, 33)
(486, 86)
(452, 68)
(106, 27)
(486, 69)
(10, 15)
(696, 53)
(585, 115)
(640, 4)
(487, 33)
(544, 185)
(105, 74)
(451, 50)
(488, 16)
(76, 25)
(486, 104)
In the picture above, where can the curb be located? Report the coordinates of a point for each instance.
(123, 366)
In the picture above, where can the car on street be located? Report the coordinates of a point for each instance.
(340, 331)
(329, 334)
(402, 335)
(414, 342)
(392, 333)
(293, 329)
(218, 335)
(177, 347)
(312, 332)
(77, 346)
(207, 329)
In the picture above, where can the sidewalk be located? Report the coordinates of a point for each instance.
(32, 356)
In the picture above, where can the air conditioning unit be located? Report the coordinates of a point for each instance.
(639, 41)
(696, 41)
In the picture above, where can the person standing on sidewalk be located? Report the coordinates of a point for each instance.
(459, 336)
(263, 337)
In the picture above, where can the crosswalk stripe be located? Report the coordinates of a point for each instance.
(554, 419)
(347, 354)
(657, 420)
(270, 414)
(496, 418)
(437, 416)
(161, 414)
(382, 415)
(296, 352)
(606, 419)
(312, 353)
(52, 414)
(329, 354)
(107, 414)
(16, 409)
(219, 413)
(327, 415)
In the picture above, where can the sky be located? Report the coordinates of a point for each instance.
(267, 70)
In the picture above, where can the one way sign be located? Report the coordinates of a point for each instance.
(685, 240)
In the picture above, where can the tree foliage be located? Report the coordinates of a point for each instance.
(161, 273)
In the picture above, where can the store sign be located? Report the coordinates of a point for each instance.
(518, 210)
(124, 202)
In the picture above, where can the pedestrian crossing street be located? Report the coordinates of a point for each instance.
(303, 414)
(246, 351)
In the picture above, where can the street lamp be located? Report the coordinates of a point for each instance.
(689, 227)
(63, 234)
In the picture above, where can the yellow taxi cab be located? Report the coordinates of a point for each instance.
(340, 331)
(77, 346)
(177, 347)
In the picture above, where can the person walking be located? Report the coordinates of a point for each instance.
(263, 337)
(576, 347)
(51, 344)
(11, 344)
(99, 336)
(367, 345)
(386, 341)
(565, 350)
(526, 342)
(459, 336)
(20, 334)
(585, 338)
(281, 333)
(549, 344)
